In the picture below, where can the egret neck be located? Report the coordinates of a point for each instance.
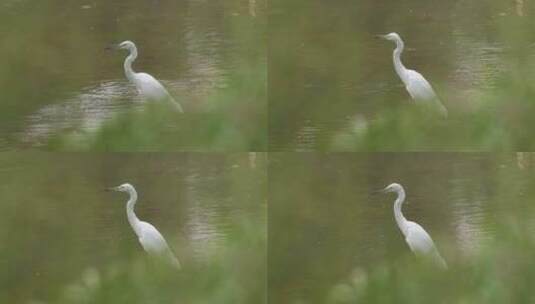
(398, 65)
(128, 64)
(132, 218)
(400, 219)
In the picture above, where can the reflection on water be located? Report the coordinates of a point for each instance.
(85, 112)
(67, 81)
(332, 67)
(326, 217)
(520, 7)
(469, 217)
(477, 65)
(203, 211)
(252, 8)
(57, 225)
(306, 136)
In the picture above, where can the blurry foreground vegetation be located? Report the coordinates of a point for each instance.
(56, 78)
(335, 87)
(157, 127)
(333, 239)
(63, 239)
(231, 276)
(233, 119)
(498, 267)
(497, 119)
(502, 271)
(501, 122)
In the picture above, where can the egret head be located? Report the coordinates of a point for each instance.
(124, 188)
(394, 187)
(126, 45)
(392, 37)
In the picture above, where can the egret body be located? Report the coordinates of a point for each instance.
(150, 238)
(147, 86)
(416, 237)
(418, 87)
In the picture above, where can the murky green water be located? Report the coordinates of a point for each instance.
(57, 80)
(59, 227)
(331, 80)
(327, 221)
(331, 237)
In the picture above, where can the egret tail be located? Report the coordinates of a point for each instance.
(439, 260)
(175, 262)
(176, 105)
(441, 108)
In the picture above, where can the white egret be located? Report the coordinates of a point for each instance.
(416, 237)
(147, 86)
(150, 238)
(418, 87)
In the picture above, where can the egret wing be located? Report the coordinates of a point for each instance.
(154, 243)
(420, 90)
(149, 87)
(421, 243)
(418, 87)
(151, 239)
(152, 89)
(418, 239)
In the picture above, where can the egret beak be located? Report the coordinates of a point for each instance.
(379, 191)
(380, 37)
(385, 190)
(110, 189)
(111, 47)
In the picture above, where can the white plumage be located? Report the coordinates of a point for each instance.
(418, 87)
(147, 86)
(417, 238)
(149, 237)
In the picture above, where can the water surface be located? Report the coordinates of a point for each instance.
(59, 225)
(327, 221)
(58, 79)
(331, 78)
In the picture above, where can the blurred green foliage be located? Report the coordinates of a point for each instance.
(334, 87)
(63, 239)
(236, 274)
(416, 129)
(333, 238)
(214, 54)
(502, 271)
(157, 127)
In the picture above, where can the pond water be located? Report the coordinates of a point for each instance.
(327, 220)
(57, 78)
(331, 77)
(58, 223)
